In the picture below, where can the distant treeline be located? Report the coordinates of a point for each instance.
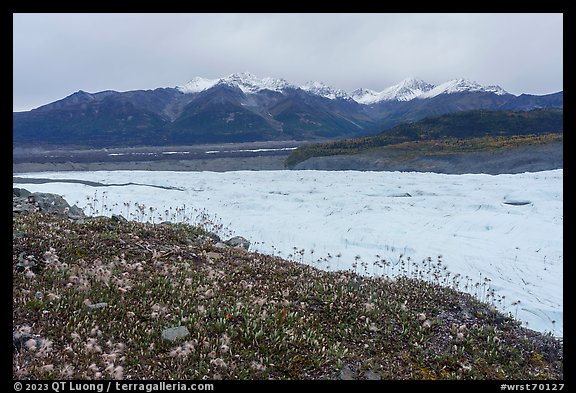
(451, 129)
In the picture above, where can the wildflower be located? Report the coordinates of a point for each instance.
(218, 362)
(47, 368)
(96, 331)
(257, 366)
(67, 371)
(29, 273)
(115, 372)
(427, 323)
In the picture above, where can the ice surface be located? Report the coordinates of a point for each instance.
(514, 248)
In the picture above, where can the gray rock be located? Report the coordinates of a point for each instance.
(118, 218)
(75, 213)
(24, 262)
(215, 238)
(221, 245)
(18, 234)
(372, 376)
(175, 333)
(19, 340)
(347, 374)
(50, 203)
(238, 241)
(25, 202)
(39, 295)
(20, 192)
(21, 205)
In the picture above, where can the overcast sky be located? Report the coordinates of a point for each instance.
(56, 55)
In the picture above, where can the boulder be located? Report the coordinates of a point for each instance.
(23, 201)
(347, 374)
(26, 262)
(50, 203)
(175, 333)
(238, 241)
(19, 340)
(118, 218)
(20, 192)
(372, 376)
(214, 237)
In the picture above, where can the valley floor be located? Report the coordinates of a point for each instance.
(248, 157)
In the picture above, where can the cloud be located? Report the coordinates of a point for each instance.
(58, 54)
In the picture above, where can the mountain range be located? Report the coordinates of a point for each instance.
(243, 107)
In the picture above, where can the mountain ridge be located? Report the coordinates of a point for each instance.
(243, 107)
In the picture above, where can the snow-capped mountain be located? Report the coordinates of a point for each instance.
(364, 96)
(245, 81)
(461, 86)
(323, 90)
(406, 90)
(197, 84)
(411, 88)
(243, 107)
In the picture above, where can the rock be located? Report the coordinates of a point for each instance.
(118, 218)
(238, 241)
(75, 213)
(25, 202)
(24, 262)
(215, 238)
(55, 204)
(39, 295)
(19, 340)
(50, 203)
(18, 234)
(221, 245)
(21, 205)
(20, 192)
(347, 374)
(175, 333)
(372, 376)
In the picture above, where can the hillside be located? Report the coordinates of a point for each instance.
(104, 298)
(245, 108)
(448, 134)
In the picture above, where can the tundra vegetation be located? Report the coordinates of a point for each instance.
(107, 298)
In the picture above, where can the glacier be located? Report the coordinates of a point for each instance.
(500, 235)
